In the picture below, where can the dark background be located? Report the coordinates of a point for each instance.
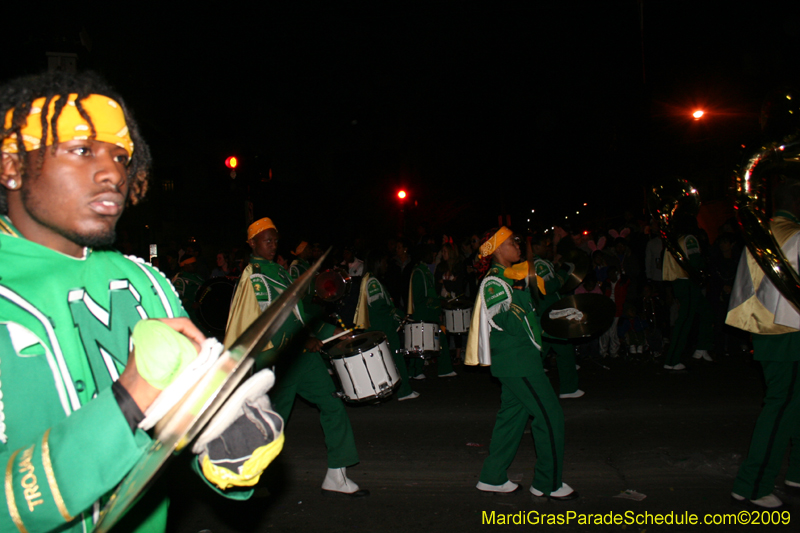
(477, 109)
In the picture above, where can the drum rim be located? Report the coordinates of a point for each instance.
(377, 334)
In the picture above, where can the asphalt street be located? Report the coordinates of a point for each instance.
(675, 438)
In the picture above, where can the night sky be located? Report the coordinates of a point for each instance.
(476, 109)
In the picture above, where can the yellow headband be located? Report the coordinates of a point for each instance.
(258, 226)
(107, 117)
(495, 241)
(300, 248)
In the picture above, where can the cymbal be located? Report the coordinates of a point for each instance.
(582, 262)
(598, 315)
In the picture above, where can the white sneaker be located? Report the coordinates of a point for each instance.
(794, 484)
(577, 367)
(414, 394)
(577, 394)
(419, 376)
(639, 349)
(632, 349)
(564, 493)
(450, 375)
(508, 486)
(770, 501)
(679, 366)
(336, 480)
(702, 354)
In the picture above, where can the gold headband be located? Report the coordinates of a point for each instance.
(107, 117)
(495, 241)
(258, 226)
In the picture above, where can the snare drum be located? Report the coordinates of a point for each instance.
(457, 320)
(365, 367)
(422, 339)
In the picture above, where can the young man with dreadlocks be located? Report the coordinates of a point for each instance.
(73, 399)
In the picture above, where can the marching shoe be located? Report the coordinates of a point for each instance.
(450, 375)
(702, 354)
(640, 348)
(632, 349)
(679, 366)
(577, 394)
(770, 501)
(336, 482)
(414, 394)
(563, 494)
(507, 487)
(419, 376)
(794, 484)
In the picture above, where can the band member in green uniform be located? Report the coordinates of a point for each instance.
(553, 281)
(376, 312)
(758, 307)
(299, 368)
(425, 305)
(506, 334)
(72, 395)
(689, 294)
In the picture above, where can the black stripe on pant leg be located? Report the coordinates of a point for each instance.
(549, 430)
(774, 432)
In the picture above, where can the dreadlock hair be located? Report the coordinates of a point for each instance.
(19, 94)
(482, 264)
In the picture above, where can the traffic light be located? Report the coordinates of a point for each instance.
(401, 194)
(232, 162)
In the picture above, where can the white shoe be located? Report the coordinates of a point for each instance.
(770, 501)
(336, 480)
(419, 376)
(639, 349)
(679, 366)
(508, 486)
(577, 367)
(702, 354)
(414, 394)
(632, 349)
(794, 484)
(564, 493)
(450, 375)
(577, 394)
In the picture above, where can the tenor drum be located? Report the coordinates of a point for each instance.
(365, 367)
(422, 339)
(457, 320)
(332, 285)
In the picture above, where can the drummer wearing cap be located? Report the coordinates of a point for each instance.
(299, 367)
(505, 333)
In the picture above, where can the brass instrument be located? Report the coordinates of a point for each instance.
(665, 202)
(752, 187)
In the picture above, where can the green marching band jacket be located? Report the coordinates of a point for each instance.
(65, 327)
(505, 325)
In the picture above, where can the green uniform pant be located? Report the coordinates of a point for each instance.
(777, 426)
(523, 397)
(565, 359)
(309, 378)
(692, 303)
(444, 364)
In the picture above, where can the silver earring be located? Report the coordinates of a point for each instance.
(12, 184)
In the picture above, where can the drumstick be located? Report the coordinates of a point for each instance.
(329, 339)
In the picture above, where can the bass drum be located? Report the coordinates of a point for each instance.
(332, 285)
(212, 304)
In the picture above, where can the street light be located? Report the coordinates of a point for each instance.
(698, 114)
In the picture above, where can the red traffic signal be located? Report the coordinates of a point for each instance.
(401, 194)
(232, 162)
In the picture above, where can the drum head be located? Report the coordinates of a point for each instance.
(331, 285)
(213, 301)
(360, 343)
